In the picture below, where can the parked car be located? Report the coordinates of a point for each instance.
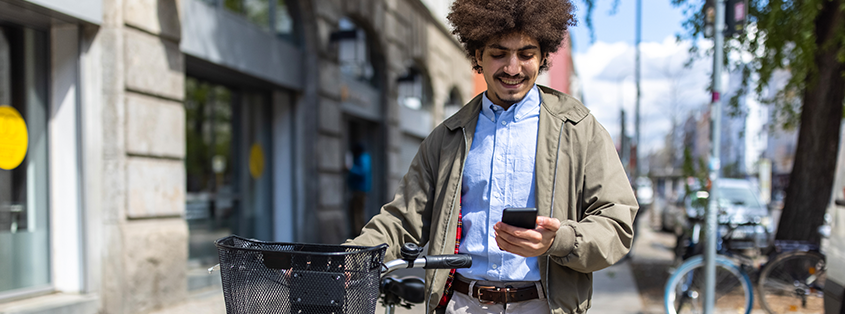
(739, 207)
(671, 213)
(645, 193)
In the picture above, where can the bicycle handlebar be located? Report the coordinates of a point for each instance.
(448, 261)
(430, 262)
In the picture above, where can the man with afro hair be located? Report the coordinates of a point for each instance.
(517, 145)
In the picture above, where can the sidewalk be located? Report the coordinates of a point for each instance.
(614, 291)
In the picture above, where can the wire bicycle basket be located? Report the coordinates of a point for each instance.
(282, 278)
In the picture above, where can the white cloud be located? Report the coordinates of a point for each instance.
(607, 73)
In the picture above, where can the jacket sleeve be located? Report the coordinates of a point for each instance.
(604, 234)
(407, 217)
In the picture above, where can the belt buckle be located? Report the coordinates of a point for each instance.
(488, 288)
(491, 289)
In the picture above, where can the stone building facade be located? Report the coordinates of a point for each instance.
(157, 126)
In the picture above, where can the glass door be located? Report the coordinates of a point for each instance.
(228, 166)
(24, 223)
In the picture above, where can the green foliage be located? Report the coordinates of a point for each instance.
(696, 169)
(780, 36)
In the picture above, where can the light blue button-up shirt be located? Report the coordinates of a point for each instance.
(499, 173)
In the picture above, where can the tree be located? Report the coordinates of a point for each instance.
(807, 39)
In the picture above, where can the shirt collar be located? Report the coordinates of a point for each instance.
(523, 108)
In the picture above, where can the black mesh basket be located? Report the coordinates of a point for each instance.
(276, 277)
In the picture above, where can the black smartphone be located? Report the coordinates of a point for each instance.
(520, 217)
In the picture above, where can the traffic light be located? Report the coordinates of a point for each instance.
(709, 12)
(736, 16)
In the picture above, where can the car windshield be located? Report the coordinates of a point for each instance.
(737, 196)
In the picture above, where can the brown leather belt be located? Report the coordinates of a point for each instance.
(492, 294)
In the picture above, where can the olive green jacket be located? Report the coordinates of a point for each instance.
(580, 181)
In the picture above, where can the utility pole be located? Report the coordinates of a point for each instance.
(636, 155)
(624, 143)
(715, 165)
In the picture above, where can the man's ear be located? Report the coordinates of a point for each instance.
(478, 54)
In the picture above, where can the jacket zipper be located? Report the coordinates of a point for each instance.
(451, 212)
(552, 209)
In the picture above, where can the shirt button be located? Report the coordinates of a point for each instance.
(504, 122)
(494, 266)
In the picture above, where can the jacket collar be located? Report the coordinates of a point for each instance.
(559, 105)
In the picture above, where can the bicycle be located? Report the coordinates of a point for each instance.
(791, 281)
(734, 291)
(283, 278)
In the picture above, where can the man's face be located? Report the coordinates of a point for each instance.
(510, 65)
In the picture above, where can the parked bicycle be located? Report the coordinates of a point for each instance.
(734, 291)
(277, 277)
(791, 281)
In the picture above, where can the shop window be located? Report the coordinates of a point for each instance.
(24, 210)
(228, 158)
(353, 51)
(210, 198)
(414, 90)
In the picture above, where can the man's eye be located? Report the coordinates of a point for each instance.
(497, 56)
(526, 57)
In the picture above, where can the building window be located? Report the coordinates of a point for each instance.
(24, 210)
(227, 177)
(256, 11)
(210, 198)
(414, 90)
(453, 104)
(353, 51)
(269, 15)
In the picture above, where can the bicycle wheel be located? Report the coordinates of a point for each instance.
(685, 288)
(793, 282)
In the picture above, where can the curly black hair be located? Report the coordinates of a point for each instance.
(476, 22)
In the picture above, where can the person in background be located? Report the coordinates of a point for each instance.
(359, 181)
(515, 145)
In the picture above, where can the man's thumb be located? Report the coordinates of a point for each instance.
(548, 223)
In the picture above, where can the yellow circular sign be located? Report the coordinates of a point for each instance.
(13, 138)
(256, 161)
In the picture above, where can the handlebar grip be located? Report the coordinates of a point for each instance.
(448, 261)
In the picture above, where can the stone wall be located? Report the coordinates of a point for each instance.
(403, 32)
(145, 236)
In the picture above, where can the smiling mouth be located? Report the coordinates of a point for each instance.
(510, 81)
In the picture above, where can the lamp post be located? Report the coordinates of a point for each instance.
(716, 116)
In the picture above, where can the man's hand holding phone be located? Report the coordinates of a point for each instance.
(524, 241)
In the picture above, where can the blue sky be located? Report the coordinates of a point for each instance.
(606, 69)
(660, 19)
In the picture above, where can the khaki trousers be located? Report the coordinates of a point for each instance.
(464, 304)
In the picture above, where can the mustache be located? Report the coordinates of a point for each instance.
(505, 76)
